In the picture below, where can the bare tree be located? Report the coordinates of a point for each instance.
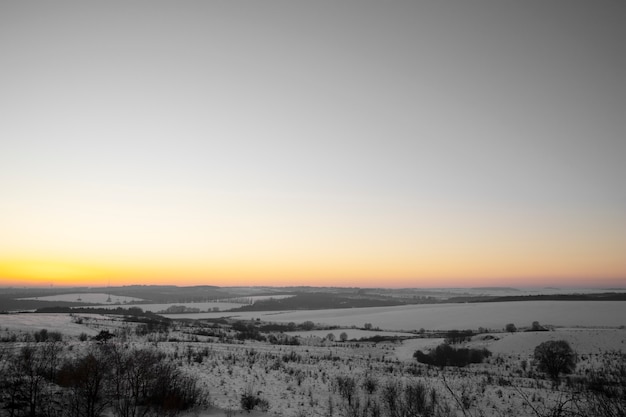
(85, 378)
(555, 357)
(346, 386)
(27, 376)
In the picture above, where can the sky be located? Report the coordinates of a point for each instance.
(343, 143)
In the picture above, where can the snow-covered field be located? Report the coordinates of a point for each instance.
(451, 316)
(584, 341)
(297, 379)
(91, 298)
(208, 306)
(155, 308)
(62, 323)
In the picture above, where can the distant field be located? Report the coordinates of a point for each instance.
(451, 316)
(91, 298)
(222, 305)
(584, 341)
(155, 308)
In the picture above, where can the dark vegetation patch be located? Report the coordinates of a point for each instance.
(320, 301)
(446, 355)
(170, 293)
(607, 296)
(382, 338)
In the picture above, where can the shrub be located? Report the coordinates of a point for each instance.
(446, 355)
(370, 384)
(456, 336)
(249, 401)
(103, 336)
(307, 325)
(346, 385)
(536, 327)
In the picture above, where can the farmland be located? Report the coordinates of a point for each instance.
(298, 362)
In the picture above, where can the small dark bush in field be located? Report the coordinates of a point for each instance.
(248, 331)
(307, 325)
(41, 336)
(103, 336)
(370, 384)
(249, 401)
(44, 335)
(346, 386)
(536, 327)
(555, 357)
(457, 336)
(510, 328)
(446, 355)
(292, 357)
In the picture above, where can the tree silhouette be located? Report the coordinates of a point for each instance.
(555, 357)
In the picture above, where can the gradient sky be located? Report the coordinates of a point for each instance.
(346, 143)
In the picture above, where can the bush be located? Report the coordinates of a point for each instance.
(103, 336)
(370, 384)
(346, 386)
(446, 355)
(307, 325)
(536, 327)
(456, 336)
(249, 401)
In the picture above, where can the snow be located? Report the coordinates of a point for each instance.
(155, 308)
(584, 341)
(228, 369)
(62, 323)
(90, 298)
(450, 316)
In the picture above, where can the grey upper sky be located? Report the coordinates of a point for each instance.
(387, 117)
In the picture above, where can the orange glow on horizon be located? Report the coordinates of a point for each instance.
(436, 273)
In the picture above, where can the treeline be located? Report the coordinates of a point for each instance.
(38, 380)
(608, 296)
(320, 301)
(129, 311)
